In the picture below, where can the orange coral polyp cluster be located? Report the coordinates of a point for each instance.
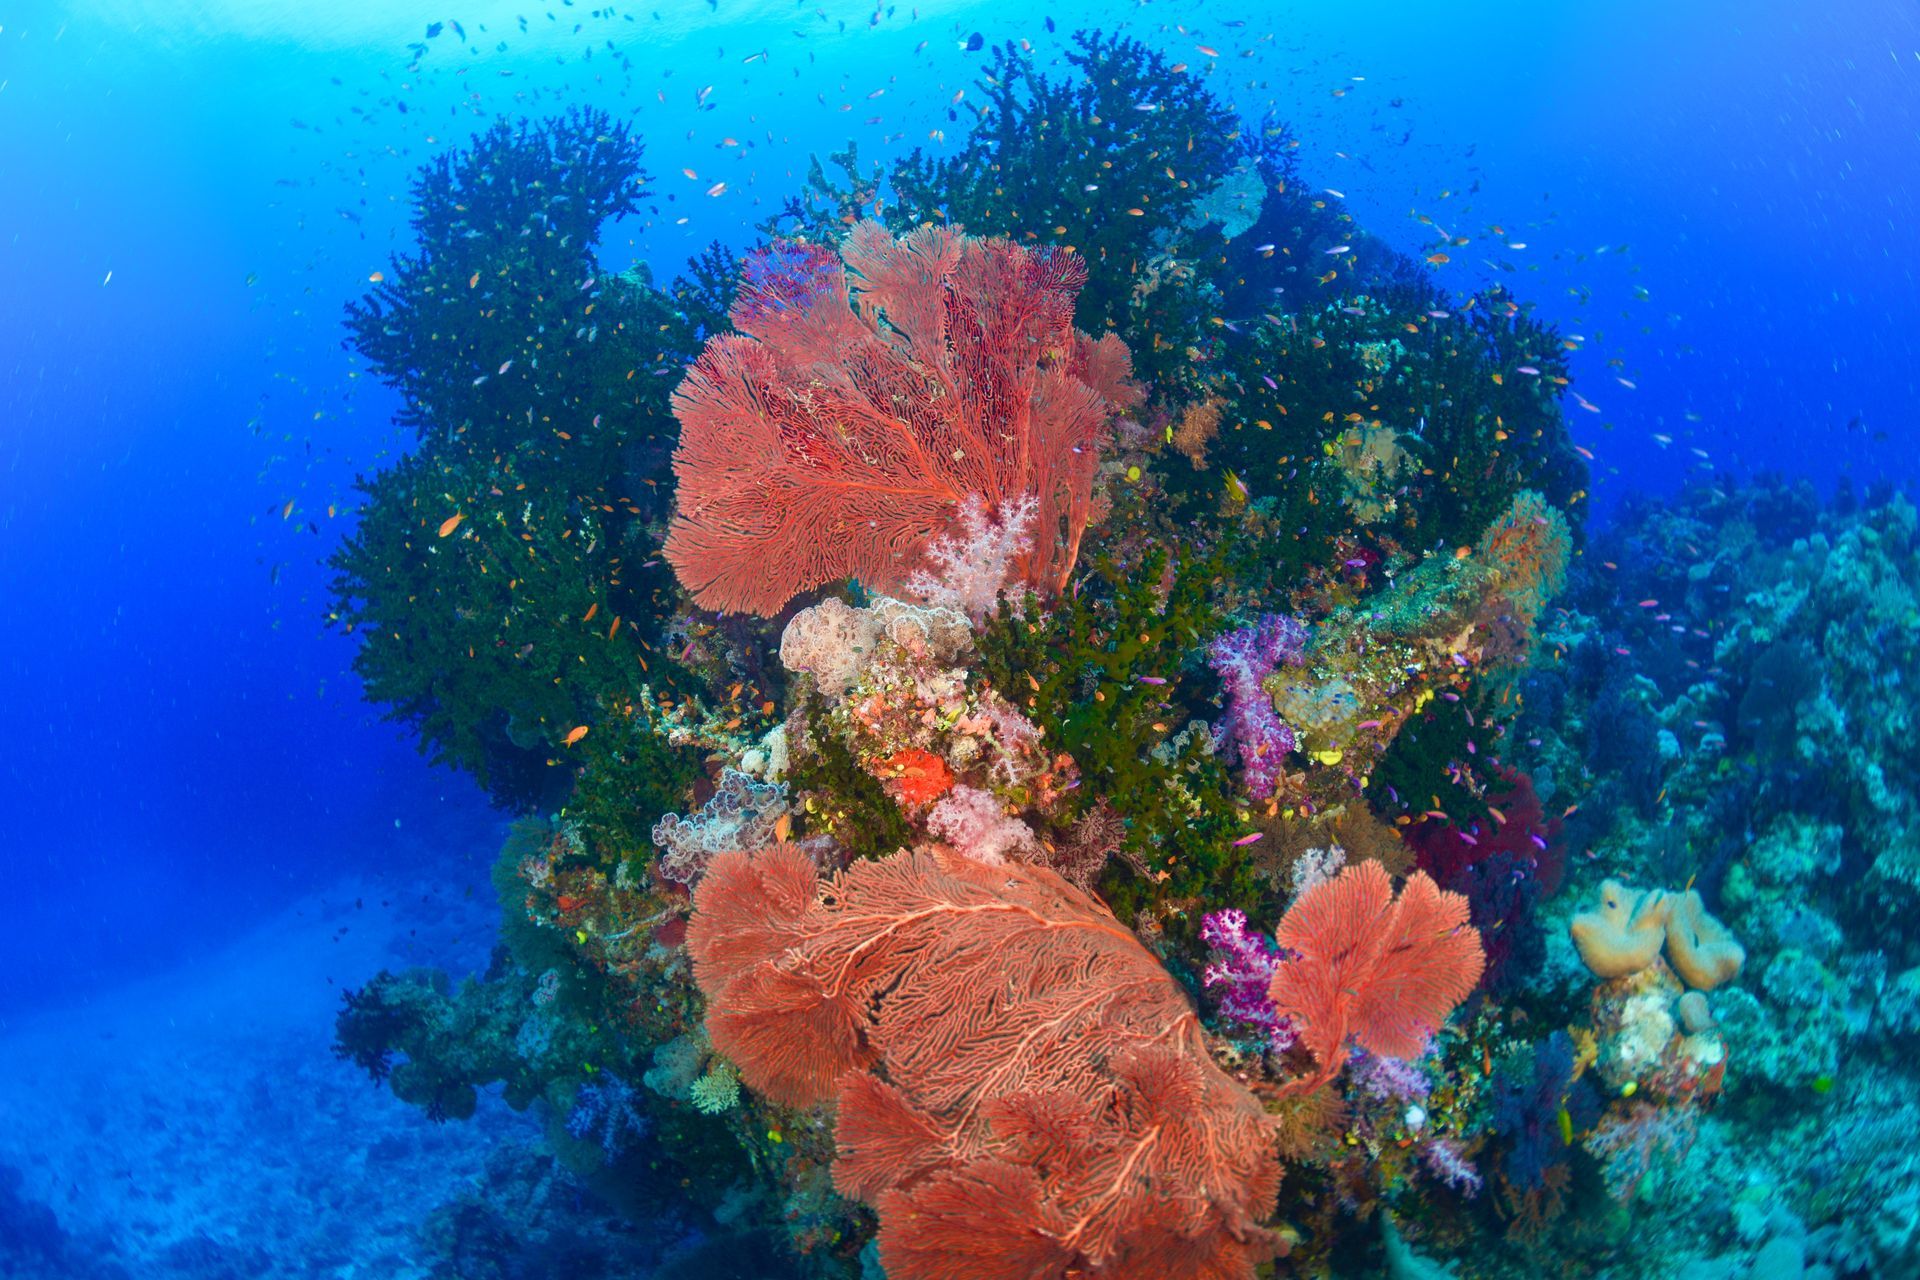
(840, 430)
(914, 776)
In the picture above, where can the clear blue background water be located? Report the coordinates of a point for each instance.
(182, 746)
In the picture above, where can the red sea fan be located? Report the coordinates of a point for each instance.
(1364, 964)
(1048, 1106)
(838, 432)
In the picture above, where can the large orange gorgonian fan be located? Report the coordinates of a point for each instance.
(1022, 1089)
(1359, 962)
(865, 397)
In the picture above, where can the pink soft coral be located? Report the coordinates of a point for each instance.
(976, 824)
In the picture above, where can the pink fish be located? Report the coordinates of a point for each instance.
(1150, 680)
(1258, 835)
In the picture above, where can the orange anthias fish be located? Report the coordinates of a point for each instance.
(575, 734)
(451, 523)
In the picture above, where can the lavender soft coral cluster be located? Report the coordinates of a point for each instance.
(606, 1111)
(1251, 731)
(1243, 971)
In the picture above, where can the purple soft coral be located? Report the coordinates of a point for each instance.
(1250, 729)
(1448, 1163)
(1390, 1079)
(1244, 971)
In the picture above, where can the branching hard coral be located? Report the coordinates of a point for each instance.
(859, 406)
(716, 1092)
(1047, 1104)
(1360, 962)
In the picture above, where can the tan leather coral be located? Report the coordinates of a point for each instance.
(1623, 934)
(1699, 947)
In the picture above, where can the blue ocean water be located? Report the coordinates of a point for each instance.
(209, 833)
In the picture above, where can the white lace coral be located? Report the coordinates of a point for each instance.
(835, 643)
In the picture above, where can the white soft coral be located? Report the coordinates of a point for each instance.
(969, 570)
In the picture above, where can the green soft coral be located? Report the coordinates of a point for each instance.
(1102, 675)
